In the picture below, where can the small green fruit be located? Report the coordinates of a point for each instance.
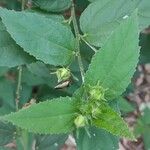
(80, 121)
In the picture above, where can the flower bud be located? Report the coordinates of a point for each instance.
(80, 121)
(96, 112)
(96, 92)
(63, 74)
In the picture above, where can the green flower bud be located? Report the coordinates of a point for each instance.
(96, 112)
(96, 92)
(63, 74)
(80, 121)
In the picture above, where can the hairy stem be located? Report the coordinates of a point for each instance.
(19, 71)
(18, 87)
(77, 34)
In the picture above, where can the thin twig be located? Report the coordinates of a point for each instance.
(18, 87)
(19, 72)
(77, 34)
(23, 4)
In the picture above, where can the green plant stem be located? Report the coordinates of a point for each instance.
(23, 4)
(19, 71)
(77, 34)
(18, 87)
(88, 44)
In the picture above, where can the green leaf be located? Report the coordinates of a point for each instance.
(98, 140)
(53, 5)
(11, 54)
(25, 141)
(50, 142)
(125, 106)
(54, 17)
(49, 117)
(3, 70)
(114, 64)
(7, 133)
(49, 41)
(7, 97)
(112, 122)
(145, 117)
(38, 68)
(105, 16)
(143, 7)
(11, 4)
(144, 13)
(31, 78)
(145, 48)
(146, 138)
(46, 92)
(25, 94)
(7, 101)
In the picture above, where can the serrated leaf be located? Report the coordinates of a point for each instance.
(98, 140)
(114, 64)
(54, 17)
(11, 54)
(143, 10)
(50, 142)
(53, 5)
(49, 41)
(7, 133)
(49, 117)
(106, 15)
(112, 122)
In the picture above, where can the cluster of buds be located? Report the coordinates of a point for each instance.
(95, 96)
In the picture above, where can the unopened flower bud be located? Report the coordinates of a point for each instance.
(63, 74)
(96, 92)
(80, 121)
